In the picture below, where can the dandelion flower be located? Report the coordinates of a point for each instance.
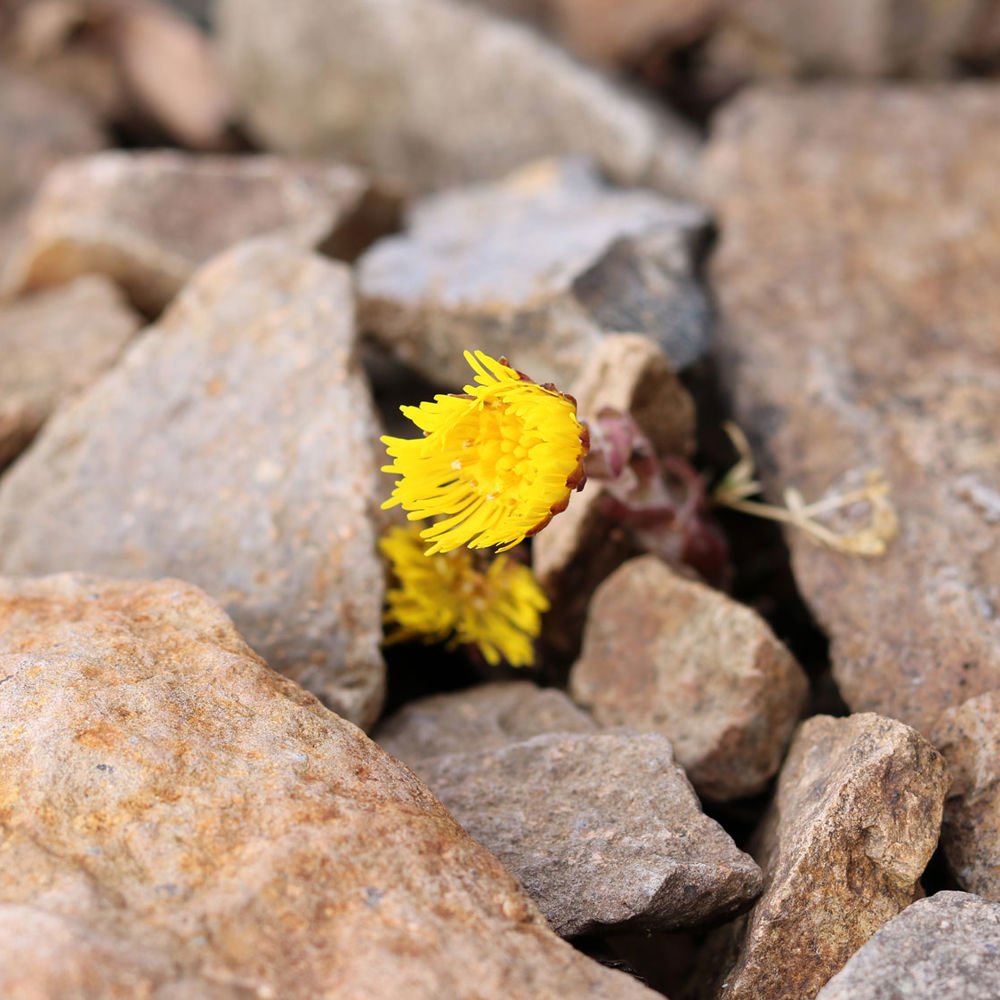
(495, 463)
(449, 598)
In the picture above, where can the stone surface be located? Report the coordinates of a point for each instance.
(233, 446)
(670, 655)
(484, 717)
(583, 546)
(853, 823)
(434, 93)
(536, 267)
(941, 947)
(601, 828)
(178, 821)
(149, 219)
(53, 345)
(969, 737)
(855, 279)
(38, 128)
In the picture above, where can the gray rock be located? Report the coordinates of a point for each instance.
(536, 267)
(855, 276)
(946, 947)
(602, 829)
(433, 93)
(181, 823)
(53, 345)
(484, 717)
(854, 821)
(233, 446)
(150, 219)
(666, 654)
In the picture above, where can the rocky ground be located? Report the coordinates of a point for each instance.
(234, 238)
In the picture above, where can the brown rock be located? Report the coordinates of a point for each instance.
(53, 345)
(854, 277)
(446, 111)
(38, 128)
(149, 220)
(668, 654)
(234, 447)
(179, 821)
(854, 821)
(602, 829)
(944, 946)
(484, 717)
(535, 267)
(969, 737)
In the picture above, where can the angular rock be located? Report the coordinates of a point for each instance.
(448, 110)
(666, 654)
(602, 829)
(180, 821)
(53, 345)
(233, 447)
(855, 275)
(853, 823)
(38, 128)
(149, 220)
(944, 946)
(484, 717)
(535, 267)
(969, 738)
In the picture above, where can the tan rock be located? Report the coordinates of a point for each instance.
(53, 345)
(149, 220)
(854, 821)
(670, 655)
(233, 446)
(446, 111)
(38, 128)
(854, 277)
(969, 737)
(180, 821)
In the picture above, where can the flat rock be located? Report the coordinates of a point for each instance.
(854, 277)
(179, 821)
(601, 828)
(484, 717)
(854, 821)
(937, 948)
(39, 127)
(969, 737)
(150, 219)
(536, 267)
(233, 446)
(346, 79)
(667, 654)
(53, 345)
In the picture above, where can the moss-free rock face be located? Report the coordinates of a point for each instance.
(179, 821)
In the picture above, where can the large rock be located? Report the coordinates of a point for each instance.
(53, 345)
(38, 128)
(853, 823)
(602, 829)
(937, 948)
(536, 267)
(178, 821)
(855, 273)
(149, 220)
(234, 447)
(969, 737)
(671, 655)
(433, 93)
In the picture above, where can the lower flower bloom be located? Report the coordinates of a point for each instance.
(449, 598)
(495, 464)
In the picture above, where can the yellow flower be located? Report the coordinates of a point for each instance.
(447, 597)
(496, 463)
